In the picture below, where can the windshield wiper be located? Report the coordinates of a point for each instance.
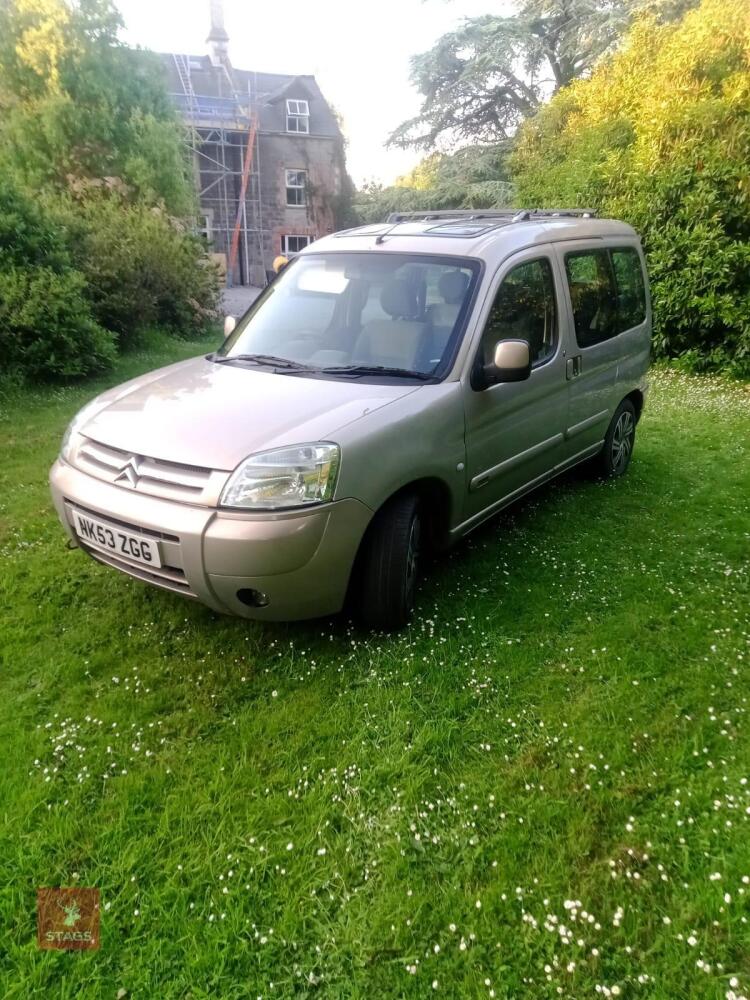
(263, 359)
(285, 364)
(376, 370)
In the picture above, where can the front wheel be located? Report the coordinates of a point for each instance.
(614, 458)
(390, 564)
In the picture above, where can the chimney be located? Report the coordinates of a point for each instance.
(218, 39)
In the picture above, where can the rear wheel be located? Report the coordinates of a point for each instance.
(389, 565)
(614, 458)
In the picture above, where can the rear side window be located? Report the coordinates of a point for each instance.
(607, 293)
(631, 292)
(592, 293)
(524, 309)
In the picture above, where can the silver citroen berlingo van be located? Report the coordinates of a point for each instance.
(397, 385)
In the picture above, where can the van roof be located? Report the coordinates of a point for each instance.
(489, 235)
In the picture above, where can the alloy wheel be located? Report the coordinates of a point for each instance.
(622, 441)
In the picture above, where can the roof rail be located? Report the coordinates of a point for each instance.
(452, 213)
(524, 214)
(512, 214)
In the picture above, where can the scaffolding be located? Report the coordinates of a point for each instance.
(222, 135)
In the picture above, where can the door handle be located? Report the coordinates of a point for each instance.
(573, 367)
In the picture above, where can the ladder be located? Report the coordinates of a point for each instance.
(249, 154)
(182, 65)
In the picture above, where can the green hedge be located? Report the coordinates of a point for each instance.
(660, 136)
(47, 328)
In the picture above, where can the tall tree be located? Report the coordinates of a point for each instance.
(95, 193)
(481, 81)
(469, 178)
(77, 106)
(659, 136)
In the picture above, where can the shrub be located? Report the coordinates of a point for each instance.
(46, 330)
(142, 269)
(660, 136)
(46, 325)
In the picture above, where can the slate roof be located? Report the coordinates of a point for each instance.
(215, 89)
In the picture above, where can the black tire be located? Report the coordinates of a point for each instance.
(389, 565)
(614, 458)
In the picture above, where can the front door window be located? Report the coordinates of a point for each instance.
(524, 309)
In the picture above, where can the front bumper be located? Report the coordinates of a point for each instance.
(300, 560)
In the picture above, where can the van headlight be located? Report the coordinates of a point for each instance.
(284, 478)
(71, 431)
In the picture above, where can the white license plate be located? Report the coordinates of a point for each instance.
(112, 539)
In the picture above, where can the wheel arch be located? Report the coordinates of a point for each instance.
(637, 399)
(436, 505)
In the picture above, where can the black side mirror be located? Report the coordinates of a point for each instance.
(511, 363)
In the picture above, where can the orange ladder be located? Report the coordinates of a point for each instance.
(249, 153)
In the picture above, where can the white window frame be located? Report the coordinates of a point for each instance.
(296, 186)
(297, 116)
(295, 236)
(206, 230)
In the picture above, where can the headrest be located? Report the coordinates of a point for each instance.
(399, 299)
(452, 286)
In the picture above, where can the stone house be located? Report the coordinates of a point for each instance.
(269, 159)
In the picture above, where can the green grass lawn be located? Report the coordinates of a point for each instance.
(538, 790)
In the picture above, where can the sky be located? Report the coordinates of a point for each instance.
(358, 52)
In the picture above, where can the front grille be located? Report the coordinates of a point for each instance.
(171, 480)
(166, 576)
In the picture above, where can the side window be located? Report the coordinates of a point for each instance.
(631, 291)
(524, 309)
(593, 296)
(296, 188)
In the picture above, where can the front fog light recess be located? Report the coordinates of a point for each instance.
(253, 598)
(284, 478)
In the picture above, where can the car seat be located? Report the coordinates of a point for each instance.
(442, 316)
(394, 342)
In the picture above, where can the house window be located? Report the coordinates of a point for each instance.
(293, 244)
(206, 224)
(298, 116)
(296, 186)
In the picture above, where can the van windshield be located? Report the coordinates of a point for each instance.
(346, 314)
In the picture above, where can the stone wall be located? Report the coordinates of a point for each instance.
(323, 160)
